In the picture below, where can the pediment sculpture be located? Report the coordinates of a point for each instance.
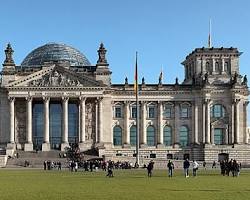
(55, 79)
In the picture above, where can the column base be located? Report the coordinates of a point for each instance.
(46, 147)
(84, 146)
(28, 147)
(143, 146)
(160, 146)
(126, 146)
(11, 147)
(19, 146)
(176, 146)
(64, 145)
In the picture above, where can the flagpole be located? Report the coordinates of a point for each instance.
(137, 115)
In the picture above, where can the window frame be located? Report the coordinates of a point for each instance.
(182, 136)
(151, 138)
(168, 136)
(151, 115)
(114, 136)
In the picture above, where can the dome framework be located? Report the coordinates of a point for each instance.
(55, 52)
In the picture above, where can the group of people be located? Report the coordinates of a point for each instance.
(48, 165)
(228, 166)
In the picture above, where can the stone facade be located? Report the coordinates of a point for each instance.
(202, 118)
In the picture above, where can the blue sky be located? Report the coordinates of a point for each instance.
(162, 31)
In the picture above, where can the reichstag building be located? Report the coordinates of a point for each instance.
(56, 97)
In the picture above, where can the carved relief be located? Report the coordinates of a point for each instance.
(90, 121)
(55, 79)
(20, 121)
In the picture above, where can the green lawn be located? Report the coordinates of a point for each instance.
(127, 184)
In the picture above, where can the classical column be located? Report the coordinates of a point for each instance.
(223, 66)
(143, 123)
(160, 128)
(195, 123)
(126, 123)
(204, 122)
(226, 135)
(100, 120)
(12, 119)
(28, 145)
(82, 119)
(231, 136)
(212, 135)
(213, 63)
(245, 123)
(96, 122)
(208, 136)
(236, 121)
(65, 135)
(46, 143)
(176, 124)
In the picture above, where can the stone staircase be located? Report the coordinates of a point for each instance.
(35, 159)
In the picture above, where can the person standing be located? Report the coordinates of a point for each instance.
(195, 167)
(150, 168)
(170, 168)
(186, 166)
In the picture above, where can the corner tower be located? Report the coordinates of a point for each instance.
(216, 65)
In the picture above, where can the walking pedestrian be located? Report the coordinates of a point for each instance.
(186, 165)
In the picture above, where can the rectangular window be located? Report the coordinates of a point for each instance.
(167, 112)
(217, 111)
(133, 112)
(184, 112)
(151, 112)
(118, 112)
(218, 136)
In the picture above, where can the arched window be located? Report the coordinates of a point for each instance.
(167, 135)
(117, 136)
(133, 135)
(218, 136)
(218, 111)
(183, 136)
(151, 136)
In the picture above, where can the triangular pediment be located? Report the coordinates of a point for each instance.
(220, 123)
(55, 76)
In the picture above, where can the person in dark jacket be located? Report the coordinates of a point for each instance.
(150, 168)
(186, 165)
(170, 168)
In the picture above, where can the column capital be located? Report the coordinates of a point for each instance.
(65, 98)
(160, 102)
(246, 103)
(235, 101)
(99, 99)
(11, 99)
(45, 98)
(82, 98)
(127, 102)
(207, 101)
(29, 98)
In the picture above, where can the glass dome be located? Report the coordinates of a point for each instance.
(55, 52)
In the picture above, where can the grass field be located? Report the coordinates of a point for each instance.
(127, 184)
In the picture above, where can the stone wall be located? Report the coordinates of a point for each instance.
(3, 160)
